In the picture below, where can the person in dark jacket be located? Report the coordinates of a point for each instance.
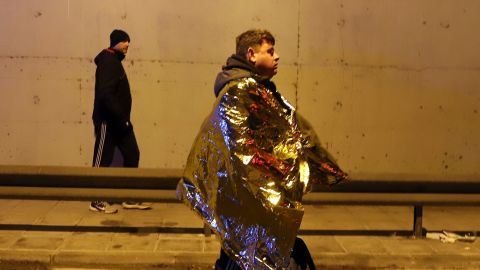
(111, 114)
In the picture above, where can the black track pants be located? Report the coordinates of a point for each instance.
(105, 143)
(300, 254)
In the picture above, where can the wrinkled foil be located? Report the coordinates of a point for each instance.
(248, 169)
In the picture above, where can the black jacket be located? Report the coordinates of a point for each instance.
(113, 100)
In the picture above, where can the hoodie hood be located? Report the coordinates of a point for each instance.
(108, 53)
(236, 67)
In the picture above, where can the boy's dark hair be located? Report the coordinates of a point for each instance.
(252, 38)
(117, 36)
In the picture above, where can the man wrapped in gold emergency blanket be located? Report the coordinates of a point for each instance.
(249, 167)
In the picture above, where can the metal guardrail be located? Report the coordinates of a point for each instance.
(86, 183)
(158, 185)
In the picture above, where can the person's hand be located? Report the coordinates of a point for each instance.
(342, 177)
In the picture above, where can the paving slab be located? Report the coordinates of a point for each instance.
(65, 213)
(406, 246)
(133, 242)
(37, 243)
(80, 241)
(457, 248)
(362, 244)
(26, 212)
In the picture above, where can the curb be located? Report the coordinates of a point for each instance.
(202, 260)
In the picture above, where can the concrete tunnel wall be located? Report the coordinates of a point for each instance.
(391, 87)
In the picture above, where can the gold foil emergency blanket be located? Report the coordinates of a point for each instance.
(247, 171)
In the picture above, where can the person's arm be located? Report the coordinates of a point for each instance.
(322, 165)
(241, 110)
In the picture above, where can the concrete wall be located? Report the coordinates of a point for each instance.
(392, 87)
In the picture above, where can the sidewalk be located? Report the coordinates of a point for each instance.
(62, 234)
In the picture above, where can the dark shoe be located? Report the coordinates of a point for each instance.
(102, 207)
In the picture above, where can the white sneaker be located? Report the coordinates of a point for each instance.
(102, 207)
(137, 205)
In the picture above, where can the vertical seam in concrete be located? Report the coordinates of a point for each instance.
(157, 243)
(298, 54)
(342, 60)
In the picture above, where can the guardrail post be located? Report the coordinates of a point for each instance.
(418, 221)
(206, 230)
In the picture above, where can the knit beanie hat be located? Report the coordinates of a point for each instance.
(117, 36)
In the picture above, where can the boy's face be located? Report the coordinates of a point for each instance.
(122, 46)
(265, 59)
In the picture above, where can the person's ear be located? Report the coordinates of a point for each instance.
(251, 55)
